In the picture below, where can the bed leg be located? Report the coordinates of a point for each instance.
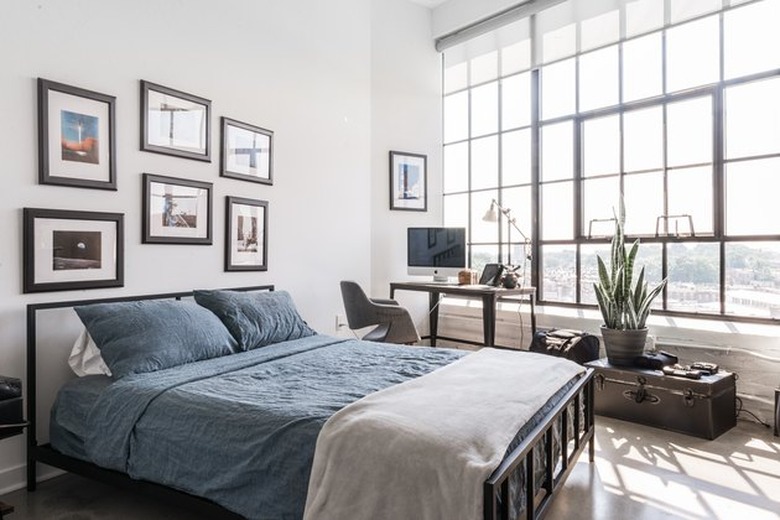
(592, 449)
(32, 480)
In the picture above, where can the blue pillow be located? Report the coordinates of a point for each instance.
(256, 319)
(149, 335)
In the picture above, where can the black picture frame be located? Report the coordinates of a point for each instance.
(78, 148)
(90, 246)
(242, 254)
(194, 113)
(259, 167)
(408, 181)
(163, 223)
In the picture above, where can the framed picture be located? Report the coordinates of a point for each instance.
(76, 137)
(246, 242)
(176, 211)
(175, 123)
(247, 152)
(66, 250)
(408, 181)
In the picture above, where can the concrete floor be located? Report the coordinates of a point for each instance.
(640, 473)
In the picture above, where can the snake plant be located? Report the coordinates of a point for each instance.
(624, 304)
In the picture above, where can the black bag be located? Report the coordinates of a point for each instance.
(575, 345)
(10, 406)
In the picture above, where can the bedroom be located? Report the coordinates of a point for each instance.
(339, 83)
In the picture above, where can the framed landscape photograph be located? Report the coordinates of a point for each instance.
(408, 181)
(246, 242)
(66, 250)
(247, 152)
(76, 137)
(175, 123)
(176, 211)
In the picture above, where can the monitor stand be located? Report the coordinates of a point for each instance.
(437, 278)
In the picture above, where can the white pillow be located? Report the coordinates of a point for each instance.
(85, 358)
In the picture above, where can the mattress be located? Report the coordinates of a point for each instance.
(238, 430)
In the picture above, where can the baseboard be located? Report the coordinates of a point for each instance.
(14, 478)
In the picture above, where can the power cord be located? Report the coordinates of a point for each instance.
(740, 410)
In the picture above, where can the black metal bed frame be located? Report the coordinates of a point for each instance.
(496, 488)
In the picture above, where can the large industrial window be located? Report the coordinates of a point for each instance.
(672, 104)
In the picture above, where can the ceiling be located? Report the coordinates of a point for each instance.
(429, 3)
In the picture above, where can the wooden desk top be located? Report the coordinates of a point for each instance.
(462, 290)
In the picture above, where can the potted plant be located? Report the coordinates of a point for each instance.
(624, 304)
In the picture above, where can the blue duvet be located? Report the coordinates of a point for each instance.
(241, 429)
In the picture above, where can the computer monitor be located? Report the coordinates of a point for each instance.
(436, 251)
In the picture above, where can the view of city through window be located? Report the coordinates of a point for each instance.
(673, 105)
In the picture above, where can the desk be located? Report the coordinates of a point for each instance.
(490, 297)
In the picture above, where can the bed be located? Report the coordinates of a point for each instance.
(267, 407)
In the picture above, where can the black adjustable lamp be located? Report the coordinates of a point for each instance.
(491, 215)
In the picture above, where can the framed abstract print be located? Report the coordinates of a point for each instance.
(175, 123)
(76, 137)
(408, 181)
(176, 211)
(247, 152)
(66, 250)
(246, 241)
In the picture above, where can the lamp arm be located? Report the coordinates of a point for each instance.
(505, 211)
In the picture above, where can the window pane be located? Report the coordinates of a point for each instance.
(753, 119)
(685, 9)
(753, 279)
(690, 193)
(601, 145)
(482, 231)
(751, 197)
(599, 197)
(484, 68)
(649, 257)
(516, 57)
(519, 201)
(599, 82)
(456, 167)
(600, 30)
(558, 89)
(481, 255)
(644, 198)
(484, 109)
(643, 133)
(559, 274)
(692, 56)
(644, 16)
(557, 211)
(557, 151)
(749, 34)
(516, 101)
(484, 163)
(456, 211)
(642, 67)
(693, 278)
(556, 32)
(456, 117)
(456, 77)
(689, 138)
(516, 157)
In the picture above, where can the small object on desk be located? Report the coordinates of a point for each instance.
(467, 277)
(491, 274)
(705, 367)
(681, 371)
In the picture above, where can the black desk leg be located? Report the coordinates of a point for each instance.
(489, 320)
(433, 315)
(531, 299)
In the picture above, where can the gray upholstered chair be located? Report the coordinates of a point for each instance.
(393, 322)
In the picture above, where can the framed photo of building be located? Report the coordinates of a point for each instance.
(408, 181)
(176, 211)
(175, 123)
(246, 242)
(67, 250)
(76, 137)
(247, 152)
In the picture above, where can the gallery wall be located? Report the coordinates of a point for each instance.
(300, 68)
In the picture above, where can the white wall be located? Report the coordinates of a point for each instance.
(303, 69)
(405, 116)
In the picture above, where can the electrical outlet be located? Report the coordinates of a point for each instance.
(341, 322)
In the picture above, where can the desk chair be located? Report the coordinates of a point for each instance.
(394, 324)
